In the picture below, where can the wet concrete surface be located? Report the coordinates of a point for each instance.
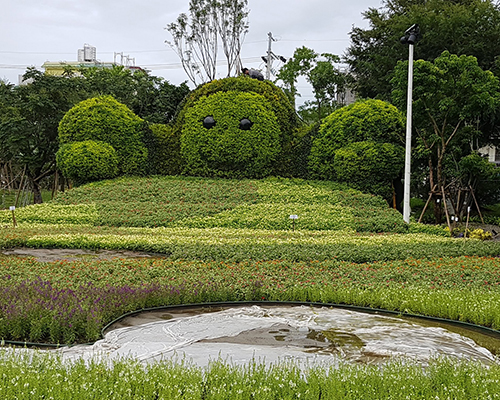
(50, 255)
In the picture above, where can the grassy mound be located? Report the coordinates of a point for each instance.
(212, 203)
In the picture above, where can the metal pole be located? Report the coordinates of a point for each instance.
(269, 52)
(406, 197)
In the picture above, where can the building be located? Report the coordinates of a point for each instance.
(87, 58)
(492, 152)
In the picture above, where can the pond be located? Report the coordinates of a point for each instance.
(279, 333)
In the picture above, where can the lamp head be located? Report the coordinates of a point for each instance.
(412, 35)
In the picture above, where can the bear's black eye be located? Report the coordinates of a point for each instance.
(245, 124)
(209, 122)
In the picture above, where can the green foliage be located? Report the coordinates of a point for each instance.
(226, 150)
(445, 25)
(106, 120)
(482, 176)
(279, 104)
(321, 73)
(29, 117)
(369, 120)
(87, 161)
(166, 150)
(125, 379)
(149, 97)
(452, 97)
(194, 202)
(369, 166)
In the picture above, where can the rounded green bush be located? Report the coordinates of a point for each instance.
(278, 103)
(368, 120)
(87, 161)
(224, 147)
(106, 120)
(369, 166)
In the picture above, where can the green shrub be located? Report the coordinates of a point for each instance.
(87, 161)
(369, 120)
(279, 103)
(369, 166)
(287, 119)
(227, 150)
(166, 154)
(106, 120)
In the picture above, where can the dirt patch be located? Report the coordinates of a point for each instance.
(49, 255)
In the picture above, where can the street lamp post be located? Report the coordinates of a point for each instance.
(411, 36)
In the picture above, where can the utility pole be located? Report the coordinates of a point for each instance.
(269, 56)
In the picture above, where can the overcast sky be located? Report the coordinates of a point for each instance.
(35, 31)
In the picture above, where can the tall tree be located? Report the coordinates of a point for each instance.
(320, 71)
(195, 38)
(470, 27)
(452, 96)
(152, 98)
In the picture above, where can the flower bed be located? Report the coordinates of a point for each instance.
(66, 302)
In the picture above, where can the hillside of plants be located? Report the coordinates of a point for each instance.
(232, 240)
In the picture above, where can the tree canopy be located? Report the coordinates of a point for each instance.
(196, 37)
(463, 27)
(319, 70)
(451, 97)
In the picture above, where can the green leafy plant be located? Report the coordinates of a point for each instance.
(165, 153)
(368, 120)
(87, 161)
(278, 104)
(227, 149)
(369, 166)
(106, 120)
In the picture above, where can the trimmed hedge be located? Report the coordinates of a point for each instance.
(368, 120)
(87, 161)
(106, 120)
(287, 119)
(228, 149)
(369, 166)
(166, 154)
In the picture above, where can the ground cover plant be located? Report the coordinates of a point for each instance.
(205, 203)
(45, 376)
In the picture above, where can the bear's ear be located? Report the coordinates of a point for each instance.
(245, 124)
(208, 122)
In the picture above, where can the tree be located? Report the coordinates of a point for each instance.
(470, 27)
(150, 97)
(319, 70)
(29, 120)
(452, 95)
(195, 38)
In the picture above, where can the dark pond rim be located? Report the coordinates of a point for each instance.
(227, 304)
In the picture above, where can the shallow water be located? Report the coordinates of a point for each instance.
(308, 335)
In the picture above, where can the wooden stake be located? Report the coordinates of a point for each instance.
(446, 209)
(427, 203)
(477, 205)
(20, 186)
